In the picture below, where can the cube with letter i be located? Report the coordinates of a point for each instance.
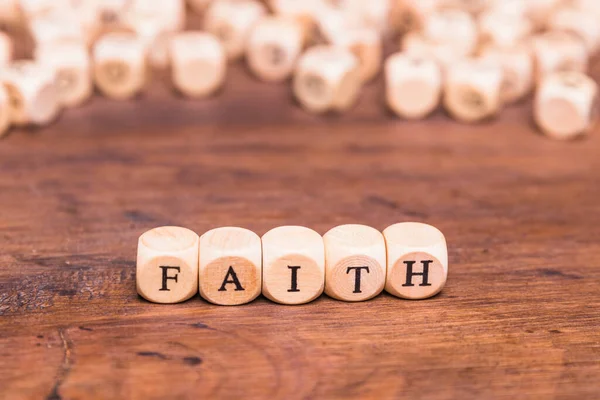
(417, 260)
(293, 265)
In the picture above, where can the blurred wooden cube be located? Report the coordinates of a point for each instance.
(327, 78)
(199, 63)
(413, 85)
(293, 265)
(231, 22)
(120, 66)
(501, 29)
(355, 262)
(230, 266)
(473, 90)
(580, 22)
(32, 94)
(416, 44)
(566, 104)
(71, 64)
(417, 260)
(367, 46)
(453, 28)
(517, 70)
(558, 51)
(167, 265)
(274, 47)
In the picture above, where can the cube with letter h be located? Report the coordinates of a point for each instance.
(417, 260)
(230, 266)
(167, 264)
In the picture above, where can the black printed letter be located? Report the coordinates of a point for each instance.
(231, 277)
(357, 277)
(424, 274)
(294, 278)
(165, 277)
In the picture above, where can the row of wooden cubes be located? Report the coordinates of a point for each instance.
(291, 264)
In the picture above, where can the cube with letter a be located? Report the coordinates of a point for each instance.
(167, 264)
(230, 266)
(417, 259)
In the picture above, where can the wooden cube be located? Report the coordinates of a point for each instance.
(231, 22)
(577, 21)
(5, 117)
(170, 15)
(32, 94)
(517, 70)
(502, 29)
(367, 46)
(293, 265)
(57, 27)
(473, 90)
(71, 65)
(453, 28)
(274, 47)
(6, 49)
(327, 78)
(417, 260)
(413, 85)
(167, 264)
(555, 51)
(566, 104)
(230, 266)
(416, 44)
(355, 262)
(120, 65)
(199, 63)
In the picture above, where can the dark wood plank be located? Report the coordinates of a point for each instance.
(519, 317)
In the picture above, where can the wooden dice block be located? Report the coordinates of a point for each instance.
(413, 85)
(199, 63)
(453, 28)
(230, 266)
(566, 104)
(417, 260)
(5, 117)
(366, 45)
(120, 65)
(170, 15)
(355, 262)
(32, 94)
(473, 90)
(416, 44)
(558, 51)
(231, 22)
(6, 49)
(327, 79)
(167, 264)
(579, 22)
(274, 47)
(293, 265)
(517, 70)
(502, 29)
(57, 27)
(71, 65)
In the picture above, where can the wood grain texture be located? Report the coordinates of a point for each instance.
(518, 318)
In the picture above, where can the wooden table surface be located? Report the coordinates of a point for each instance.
(518, 318)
